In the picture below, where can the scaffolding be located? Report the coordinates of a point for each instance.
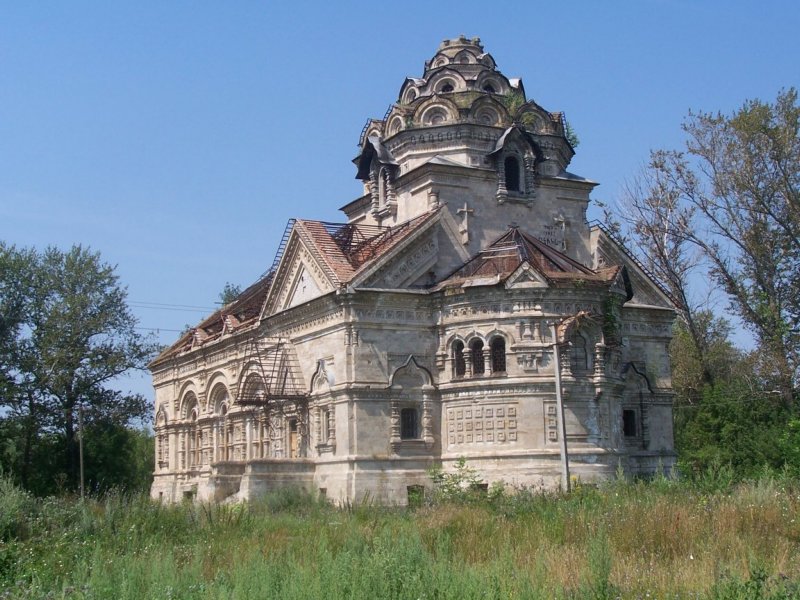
(274, 391)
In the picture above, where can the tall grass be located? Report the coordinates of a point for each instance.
(623, 540)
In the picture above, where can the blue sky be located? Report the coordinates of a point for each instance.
(177, 138)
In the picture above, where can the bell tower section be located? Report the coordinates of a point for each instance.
(466, 139)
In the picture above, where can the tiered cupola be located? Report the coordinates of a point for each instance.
(466, 136)
(462, 111)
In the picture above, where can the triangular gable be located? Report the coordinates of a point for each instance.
(405, 261)
(518, 135)
(301, 275)
(526, 277)
(372, 148)
(641, 288)
(303, 288)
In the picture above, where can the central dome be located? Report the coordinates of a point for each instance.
(461, 84)
(462, 115)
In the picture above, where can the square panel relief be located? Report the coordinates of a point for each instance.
(476, 424)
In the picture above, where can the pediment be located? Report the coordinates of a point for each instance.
(300, 277)
(406, 263)
(303, 288)
(622, 284)
(640, 288)
(526, 277)
(514, 136)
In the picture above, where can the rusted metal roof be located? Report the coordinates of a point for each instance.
(515, 247)
(344, 249)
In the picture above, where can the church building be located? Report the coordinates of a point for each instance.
(464, 307)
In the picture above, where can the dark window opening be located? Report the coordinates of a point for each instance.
(460, 365)
(476, 349)
(447, 88)
(489, 88)
(480, 488)
(408, 424)
(324, 425)
(416, 495)
(629, 423)
(498, 355)
(294, 442)
(382, 187)
(579, 354)
(511, 165)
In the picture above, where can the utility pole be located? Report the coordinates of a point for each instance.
(80, 444)
(562, 426)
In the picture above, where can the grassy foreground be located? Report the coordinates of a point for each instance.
(662, 539)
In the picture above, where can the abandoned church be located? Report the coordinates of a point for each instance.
(463, 308)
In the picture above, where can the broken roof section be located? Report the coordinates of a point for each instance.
(346, 250)
(237, 315)
(350, 248)
(514, 249)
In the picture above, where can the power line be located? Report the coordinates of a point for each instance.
(146, 304)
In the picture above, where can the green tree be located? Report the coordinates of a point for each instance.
(656, 222)
(67, 334)
(229, 293)
(741, 174)
(729, 203)
(697, 365)
(733, 425)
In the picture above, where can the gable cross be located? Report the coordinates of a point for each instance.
(464, 229)
(561, 223)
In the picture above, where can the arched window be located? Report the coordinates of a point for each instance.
(434, 116)
(489, 88)
(476, 350)
(294, 439)
(579, 354)
(409, 424)
(195, 441)
(162, 443)
(511, 165)
(219, 398)
(498, 350)
(629, 428)
(253, 391)
(459, 364)
(324, 425)
(447, 88)
(189, 447)
(382, 179)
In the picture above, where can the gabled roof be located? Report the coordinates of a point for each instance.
(344, 250)
(234, 316)
(514, 248)
(349, 249)
(358, 245)
(372, 147)
(647, 289)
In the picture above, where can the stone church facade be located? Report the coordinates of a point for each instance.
(424, 328)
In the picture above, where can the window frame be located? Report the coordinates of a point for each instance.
(404, 424)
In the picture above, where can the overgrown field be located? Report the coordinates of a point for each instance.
(662, 539)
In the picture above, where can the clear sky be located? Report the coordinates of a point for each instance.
(177, 138)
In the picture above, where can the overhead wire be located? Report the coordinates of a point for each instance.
(171, 307)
